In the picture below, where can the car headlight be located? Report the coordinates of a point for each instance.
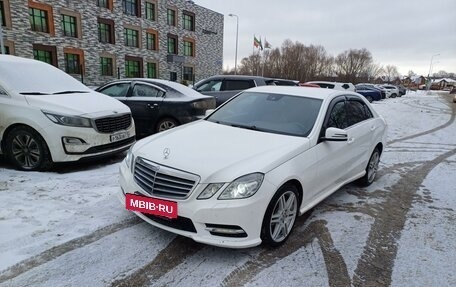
(210, 190)
(243, 187)
(129, 159)
(72, 121)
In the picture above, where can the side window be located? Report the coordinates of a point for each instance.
(326, 86)
(338, 116)
(357, 112)
(141, 90)
(345, 86)
(210, 86)
(117, 90)
(232, 85)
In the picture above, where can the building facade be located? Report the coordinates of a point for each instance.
(100, 40)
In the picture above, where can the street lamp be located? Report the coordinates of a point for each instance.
(429, 74)
(237, 36)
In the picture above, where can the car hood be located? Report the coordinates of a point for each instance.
(219, 153)
(92, 104)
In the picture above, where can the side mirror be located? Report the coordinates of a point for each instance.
(335, 135)
(208, 112)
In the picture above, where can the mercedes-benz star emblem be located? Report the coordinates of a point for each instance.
(166, 152)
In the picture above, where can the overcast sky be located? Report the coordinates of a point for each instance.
(397, 32)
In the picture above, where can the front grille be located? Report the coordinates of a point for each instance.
(181, 223)
(162, 181)
(113, 124)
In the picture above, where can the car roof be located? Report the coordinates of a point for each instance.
(301, 91)
(238, 77)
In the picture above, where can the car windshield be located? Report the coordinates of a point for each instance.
(269, 112)
(36, 78)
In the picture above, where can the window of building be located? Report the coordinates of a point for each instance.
(152, 39)
(152, 70)
(41, 17)
(107, 66)
(39, 20)
(131, 7)
(171, 17)
(105, 4)
(131, 37)
(72, 63)
(189, 47)
(189, 20)
(106, 31)
(151, 11)
(172, 44)
(173, 76)
(188, 74)
(47, 54)
(2, 14)
(133, 67)
(69, 26)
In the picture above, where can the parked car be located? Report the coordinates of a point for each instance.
(158, 105)
(402, 90)
(223, 87)
(334, 85)
(285, 82)
(243, 174)
(309, 85)
(365, 86)
(393, 90)
(47, 116)
(370, 94)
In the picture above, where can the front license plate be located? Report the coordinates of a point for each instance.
(119, 136)
(151, 205)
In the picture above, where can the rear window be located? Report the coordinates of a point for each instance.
(231, 85)
(326, 86)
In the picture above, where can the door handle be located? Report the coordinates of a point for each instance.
(152, 106)
(373, 128)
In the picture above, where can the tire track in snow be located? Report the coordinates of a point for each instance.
(375, 266)
(334, 261)
(170, 257)
(68, 246)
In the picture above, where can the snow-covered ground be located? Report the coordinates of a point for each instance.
(66, 227)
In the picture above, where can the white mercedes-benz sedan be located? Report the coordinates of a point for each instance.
(242, 175)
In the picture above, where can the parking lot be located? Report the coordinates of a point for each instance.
(67, 228)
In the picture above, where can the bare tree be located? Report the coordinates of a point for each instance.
(353, 63)
(390, 73)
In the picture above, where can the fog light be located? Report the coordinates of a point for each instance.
(74, 145)
(225, 230)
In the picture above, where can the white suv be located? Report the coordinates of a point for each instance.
(48, 116)
(392, 91)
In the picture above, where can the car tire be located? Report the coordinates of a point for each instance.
(370, 99)
(371, 169)
(393, 95)
(280, 216)
(166, 124)
(27, 150)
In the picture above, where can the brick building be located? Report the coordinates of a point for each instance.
(100, 40)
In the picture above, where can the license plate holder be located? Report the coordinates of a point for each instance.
(119, 136)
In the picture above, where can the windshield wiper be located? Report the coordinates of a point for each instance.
(33, 93)
(69, 92)
(245, 127)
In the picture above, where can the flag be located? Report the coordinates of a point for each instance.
(266, 44)
(257, 43)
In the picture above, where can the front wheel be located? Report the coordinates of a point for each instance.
(166, 124)
(280, 216)
(27, 150)
(370, 99)
(371, 169)
(393, 95)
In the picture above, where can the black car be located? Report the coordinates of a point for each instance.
(223, 87)
(158, 105)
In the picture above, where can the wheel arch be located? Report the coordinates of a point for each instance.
(296, 183)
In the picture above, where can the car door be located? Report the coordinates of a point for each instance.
(145, 101)
(361, 128)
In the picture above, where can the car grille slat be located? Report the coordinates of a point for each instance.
(163, 181)
(113, 123)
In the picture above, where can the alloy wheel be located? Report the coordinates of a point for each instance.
(373, 166)
(26, 151)
(283, 216)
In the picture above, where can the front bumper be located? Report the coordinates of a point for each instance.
(203, 215)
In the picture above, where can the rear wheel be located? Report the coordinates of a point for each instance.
(27, 150)
(370, 99)
(393, 95)
(371, 169)
(280, 216)
(166, 124)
